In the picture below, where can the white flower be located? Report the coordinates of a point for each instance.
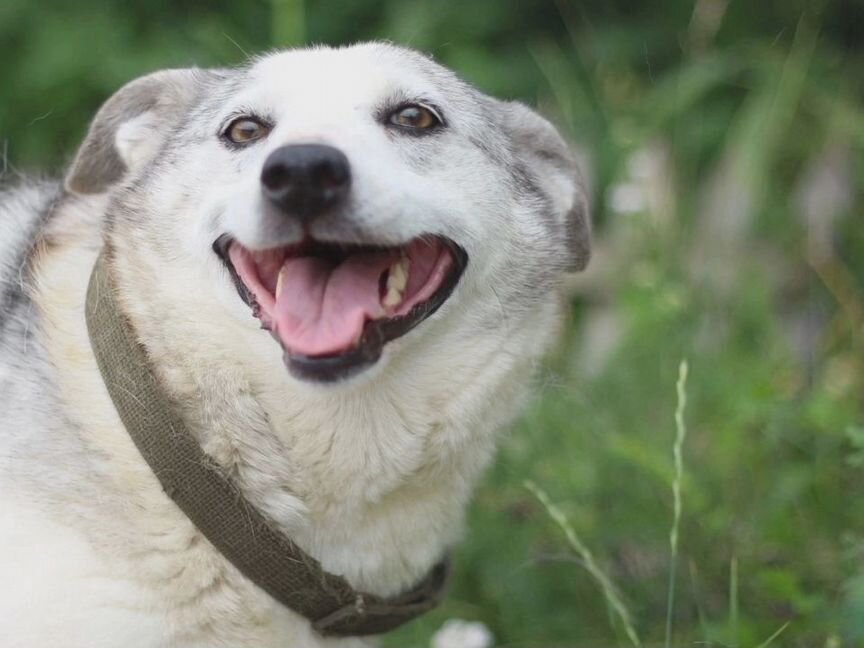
(463, 634)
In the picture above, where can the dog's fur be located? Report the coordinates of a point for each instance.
(370, 475)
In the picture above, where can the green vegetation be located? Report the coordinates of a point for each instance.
(724, 142)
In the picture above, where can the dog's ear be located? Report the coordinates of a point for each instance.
(552, 167)
(129, 128)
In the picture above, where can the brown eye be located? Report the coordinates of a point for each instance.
(245, 130)
(415, 117)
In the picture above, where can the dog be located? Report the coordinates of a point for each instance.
(344, 266)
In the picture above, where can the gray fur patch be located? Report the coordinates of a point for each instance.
(24, 211)
(98, 164)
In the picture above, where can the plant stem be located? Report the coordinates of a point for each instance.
(678, 454)
(612, 598)
(289, 22)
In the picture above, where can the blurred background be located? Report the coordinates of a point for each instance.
(722, 140)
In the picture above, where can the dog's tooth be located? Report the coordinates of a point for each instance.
(398, 276)
(279, 279)
(392, 298)
(397, 281)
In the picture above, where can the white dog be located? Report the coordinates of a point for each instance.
(342, 266)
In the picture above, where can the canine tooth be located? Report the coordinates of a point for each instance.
(392, 298)
(398, 277)
(397, 281)
(279, 279)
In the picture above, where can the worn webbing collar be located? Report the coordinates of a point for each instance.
(210, 500)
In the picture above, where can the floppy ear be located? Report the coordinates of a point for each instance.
(128, 129)
(546, 157)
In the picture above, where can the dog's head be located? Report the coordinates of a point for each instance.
(347, 195)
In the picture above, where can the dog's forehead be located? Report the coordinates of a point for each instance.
(348, 77)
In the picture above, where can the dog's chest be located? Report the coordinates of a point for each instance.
(169, 589)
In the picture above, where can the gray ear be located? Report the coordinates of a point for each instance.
(128, 128)
(546, 157)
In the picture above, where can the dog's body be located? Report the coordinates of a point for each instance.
(370, 474)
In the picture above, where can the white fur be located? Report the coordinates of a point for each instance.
(370, 476)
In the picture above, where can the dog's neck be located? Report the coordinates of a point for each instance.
(372, 479)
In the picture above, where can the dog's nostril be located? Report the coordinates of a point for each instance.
(306, 179)
(276, 176)
(332, 174)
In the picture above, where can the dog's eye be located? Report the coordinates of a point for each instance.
(415, 117)
(245, 130)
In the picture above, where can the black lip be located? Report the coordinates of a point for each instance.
(376, 333)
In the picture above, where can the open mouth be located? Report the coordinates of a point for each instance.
(333, 307)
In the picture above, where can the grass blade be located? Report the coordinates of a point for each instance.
(770, 639)
(733, 600)
(678, 454)
(609, 592)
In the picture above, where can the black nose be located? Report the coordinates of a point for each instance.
(306, 179)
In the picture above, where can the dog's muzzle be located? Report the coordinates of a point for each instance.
(333, 305)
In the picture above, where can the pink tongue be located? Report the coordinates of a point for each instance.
(321, 307)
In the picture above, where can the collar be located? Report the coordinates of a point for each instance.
(207, 496)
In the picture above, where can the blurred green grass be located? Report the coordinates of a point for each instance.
(723, 142)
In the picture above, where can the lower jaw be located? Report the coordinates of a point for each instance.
(327, 369)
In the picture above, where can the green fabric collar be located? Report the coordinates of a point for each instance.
(213, 503)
